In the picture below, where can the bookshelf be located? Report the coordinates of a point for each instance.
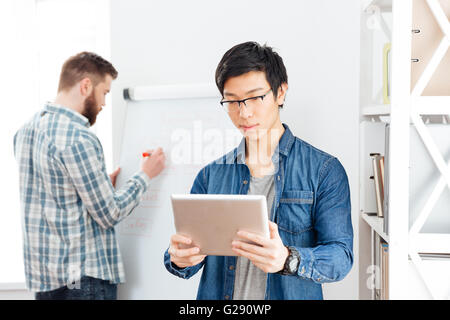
(415, 256)
(376, 223)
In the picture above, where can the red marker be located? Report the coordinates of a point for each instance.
(146, 154)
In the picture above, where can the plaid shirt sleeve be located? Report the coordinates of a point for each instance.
(85, 165)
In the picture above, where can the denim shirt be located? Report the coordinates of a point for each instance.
(312, 211)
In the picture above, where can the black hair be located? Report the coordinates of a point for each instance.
(251, 56)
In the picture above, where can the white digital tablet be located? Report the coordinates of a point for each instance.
(212, 220)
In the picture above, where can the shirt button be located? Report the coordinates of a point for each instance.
(278, 177)
(227, 297)
(231, 268)
(245, 182)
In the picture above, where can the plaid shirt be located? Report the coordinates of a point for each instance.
(69, 207)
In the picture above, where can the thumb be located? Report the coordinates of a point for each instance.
(273, 229)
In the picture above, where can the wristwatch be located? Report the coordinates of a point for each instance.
(292, 263)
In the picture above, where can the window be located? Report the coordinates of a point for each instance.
(41, 35)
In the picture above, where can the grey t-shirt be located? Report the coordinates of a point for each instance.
(250, 281)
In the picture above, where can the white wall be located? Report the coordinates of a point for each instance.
(38, 49)
(16, 294)
(181, 42)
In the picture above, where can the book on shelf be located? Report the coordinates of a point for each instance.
(377, 262)
(380, 252)
(386, 73)
(378, 170)
(386, 180)
(384, 270)
(382, 174)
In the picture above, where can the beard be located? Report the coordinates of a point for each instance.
(90, 110)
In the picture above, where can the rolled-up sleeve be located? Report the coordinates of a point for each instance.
(332, 257)
(184, 273)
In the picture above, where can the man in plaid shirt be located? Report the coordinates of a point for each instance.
(68, 202)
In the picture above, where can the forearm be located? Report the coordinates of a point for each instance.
(84, 164)
(325, 263)
(129, 196)
(107, 206)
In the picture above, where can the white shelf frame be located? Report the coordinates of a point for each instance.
(423, 106)
(376, 223)
(405, 245)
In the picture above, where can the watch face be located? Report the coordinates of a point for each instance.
(293, 264)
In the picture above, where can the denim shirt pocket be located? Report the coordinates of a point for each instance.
(294, 213)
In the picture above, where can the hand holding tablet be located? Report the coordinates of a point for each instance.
(212, 221)
(225, 225)
(184, 257)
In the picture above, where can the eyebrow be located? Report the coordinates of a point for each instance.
(248, 92)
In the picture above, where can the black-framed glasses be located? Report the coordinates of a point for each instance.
(235, 105)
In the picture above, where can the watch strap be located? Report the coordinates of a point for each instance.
(293, 254)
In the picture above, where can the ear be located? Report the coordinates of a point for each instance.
(282, 93)
(86, 87)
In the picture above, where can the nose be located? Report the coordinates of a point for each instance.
(244, 111)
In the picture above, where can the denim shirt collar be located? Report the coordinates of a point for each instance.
(69, 113)
(283, 147)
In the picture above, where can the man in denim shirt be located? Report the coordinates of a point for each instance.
(311, 235)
